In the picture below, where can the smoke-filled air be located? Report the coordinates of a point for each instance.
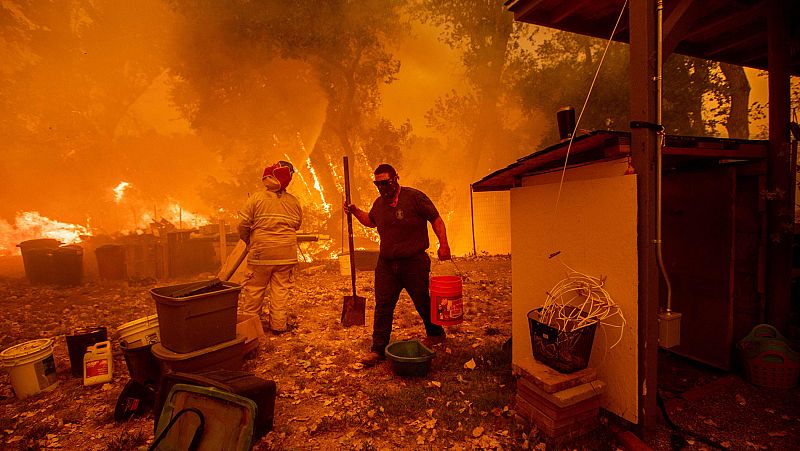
(116, 116)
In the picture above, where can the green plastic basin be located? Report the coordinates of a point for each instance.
(409, 358)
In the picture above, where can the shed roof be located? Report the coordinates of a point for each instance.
(731, 31)
(606, 144)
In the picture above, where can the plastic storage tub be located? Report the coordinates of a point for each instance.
(228, 355)
(192, 323)
(227, 420)
(260, 391)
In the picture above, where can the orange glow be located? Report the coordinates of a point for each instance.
(32, 225)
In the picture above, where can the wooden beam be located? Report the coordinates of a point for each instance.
(780, 210)
(715, 153)
(642, 20)
(729, 21)
(735, 43)
(566, 9)
(520, 14)
(678, 22)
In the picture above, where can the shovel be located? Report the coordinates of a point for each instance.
(353, 309)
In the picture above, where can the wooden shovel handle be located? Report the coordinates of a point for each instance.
(349, 226)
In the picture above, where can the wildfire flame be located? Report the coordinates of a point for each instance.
(178, 216)
(336, 177)
(326, 207)
(315, 251)
(120, 190)
(32, 225)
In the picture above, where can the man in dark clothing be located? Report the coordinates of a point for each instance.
(401, 216)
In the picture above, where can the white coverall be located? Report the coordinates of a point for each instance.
(273, 219)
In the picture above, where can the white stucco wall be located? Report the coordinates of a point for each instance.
(594, 229)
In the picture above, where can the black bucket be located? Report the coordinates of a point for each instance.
(78, 342)
(566, 122)
(565, 352)
(142, 365)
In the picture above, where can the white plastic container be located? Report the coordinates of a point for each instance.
(140, 332)
(31, 367)
(98, 364)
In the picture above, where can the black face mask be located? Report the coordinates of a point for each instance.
(388, 189)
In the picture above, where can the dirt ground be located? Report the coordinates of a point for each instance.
(327, 400)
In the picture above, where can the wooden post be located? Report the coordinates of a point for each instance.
(780, 182)
(642, 22)
(472, 221)
(223, 242)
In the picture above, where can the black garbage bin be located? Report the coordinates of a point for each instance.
(37, 259)
(111, 262)
(68, 265)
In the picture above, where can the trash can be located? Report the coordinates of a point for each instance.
(68, 265)
(37, 259)
(111, 262)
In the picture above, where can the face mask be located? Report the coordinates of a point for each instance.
(281, 171)
(388, 189)
(271, 183)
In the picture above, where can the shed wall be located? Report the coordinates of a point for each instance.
(595, 232)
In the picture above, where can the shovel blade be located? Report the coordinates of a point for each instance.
(354, 311)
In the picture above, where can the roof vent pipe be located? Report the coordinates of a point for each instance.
(566, 122)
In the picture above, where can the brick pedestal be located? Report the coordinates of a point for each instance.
(561, 405)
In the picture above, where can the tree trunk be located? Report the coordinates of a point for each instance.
(699, 77)
(737, 123)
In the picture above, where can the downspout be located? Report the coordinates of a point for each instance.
(660, 146)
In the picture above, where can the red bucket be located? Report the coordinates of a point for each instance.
(447, 308)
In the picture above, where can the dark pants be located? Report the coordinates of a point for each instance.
(391, 276)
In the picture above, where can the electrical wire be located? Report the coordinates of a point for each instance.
(585, 102)
(580, 300)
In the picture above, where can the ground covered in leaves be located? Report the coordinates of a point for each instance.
(327, 400)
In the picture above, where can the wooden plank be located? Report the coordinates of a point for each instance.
(679, 20)
(698, 215)
(716, 153)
